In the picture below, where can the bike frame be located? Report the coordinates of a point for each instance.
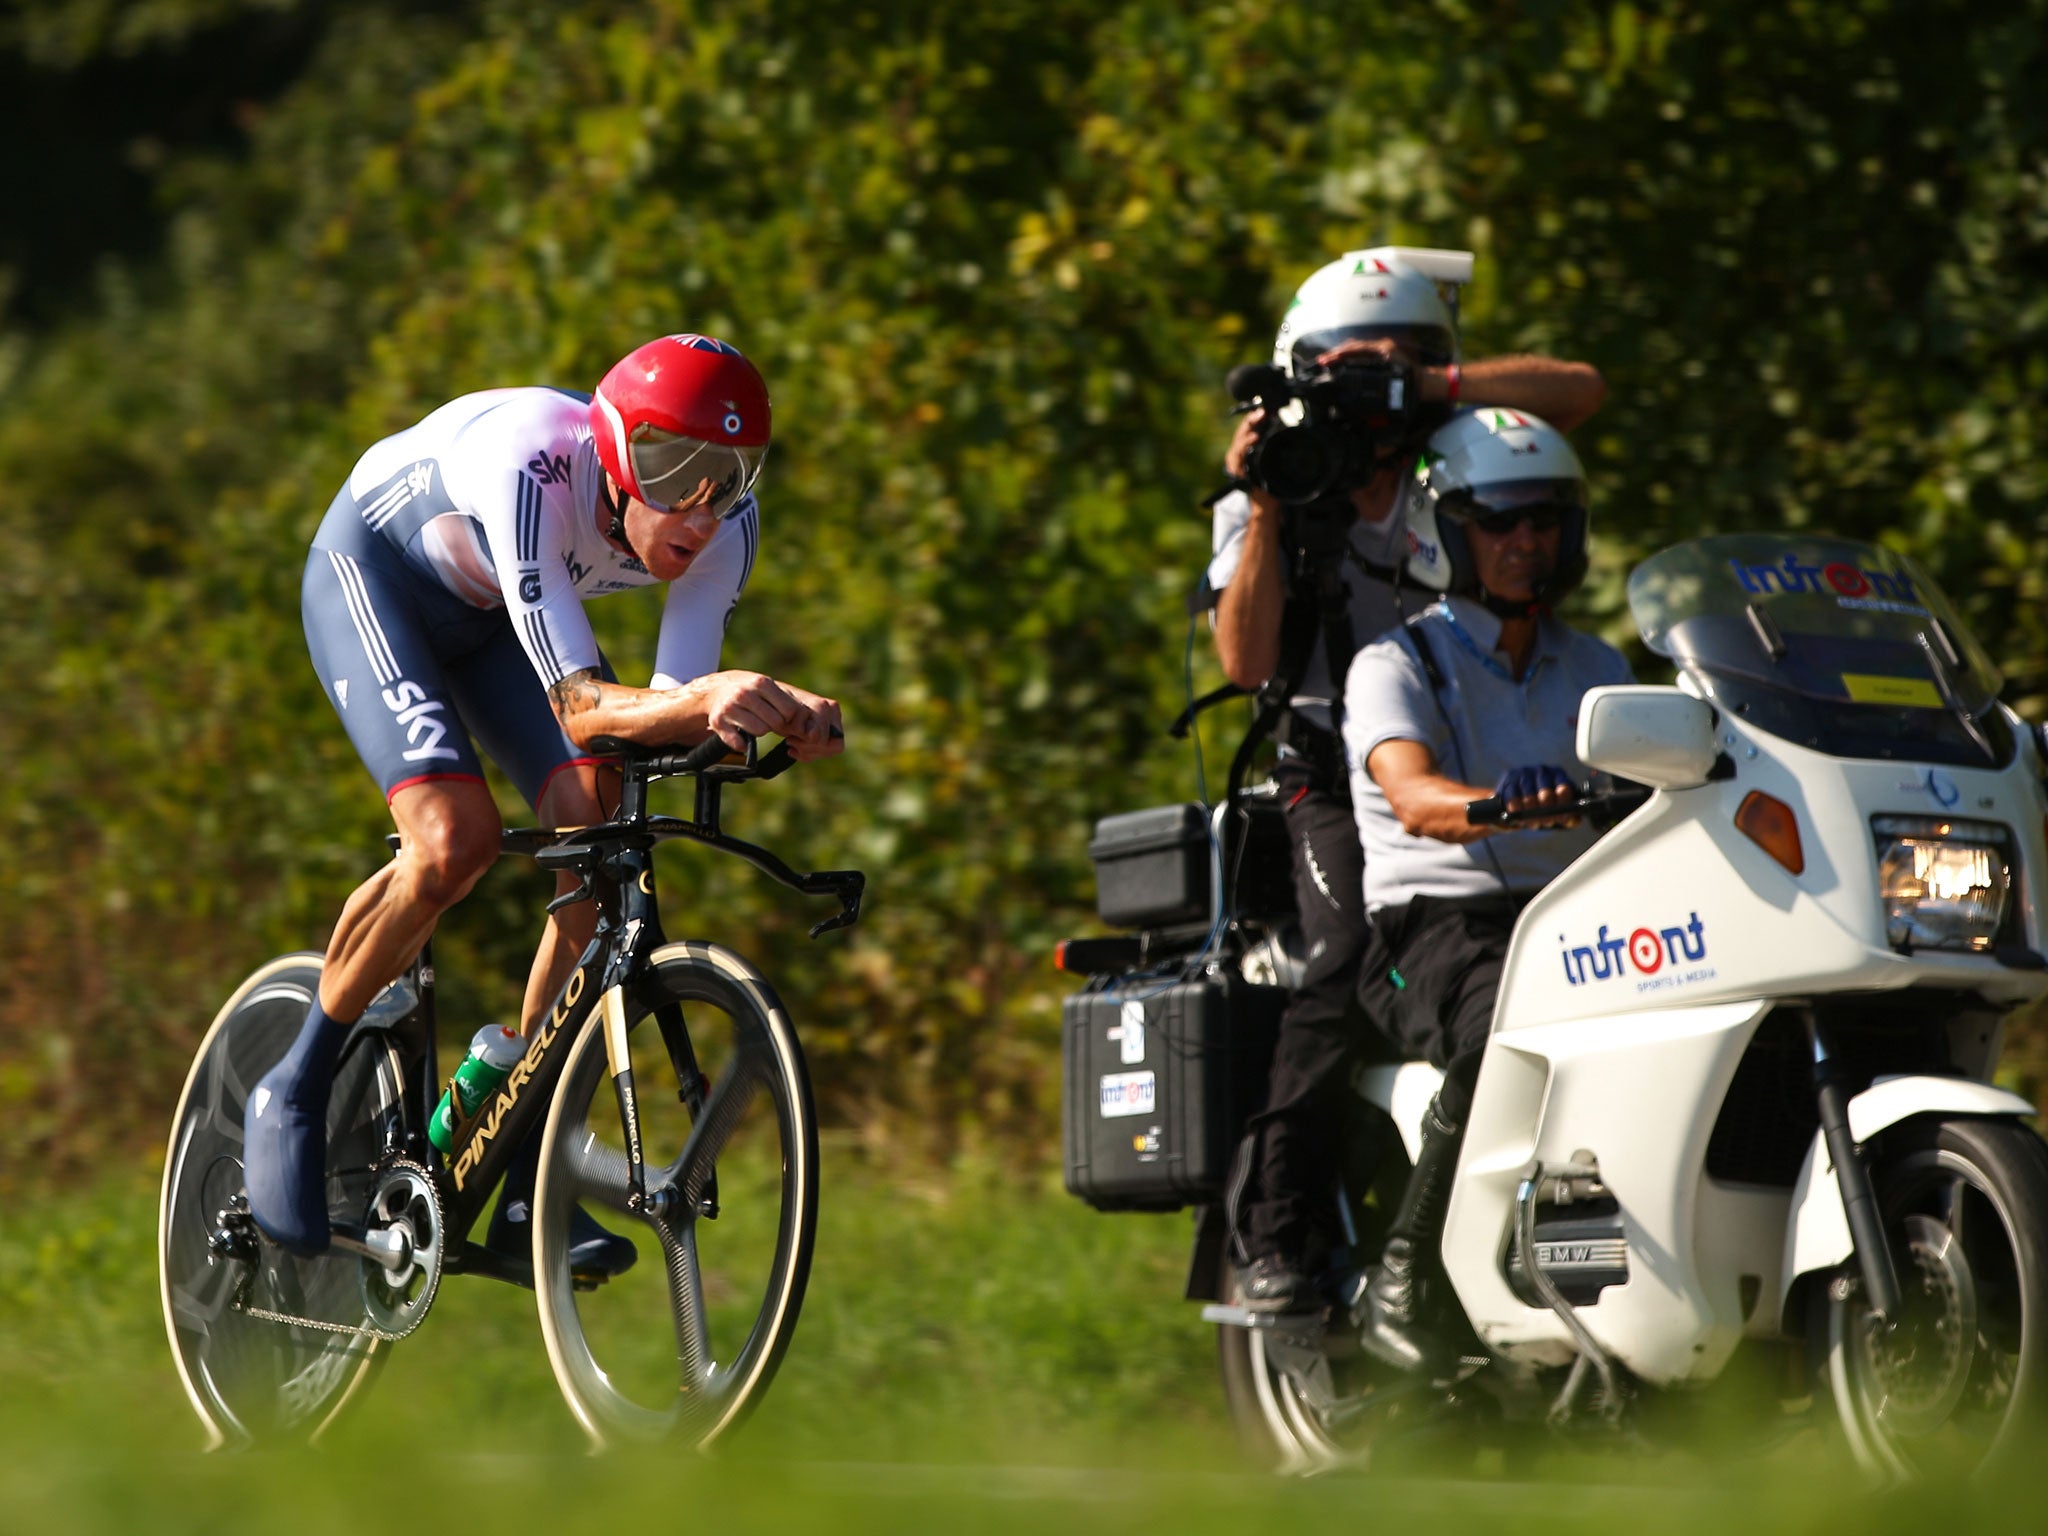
(615, 861)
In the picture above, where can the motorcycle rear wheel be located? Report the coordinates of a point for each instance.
(1957, 1386)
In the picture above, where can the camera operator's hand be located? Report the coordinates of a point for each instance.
(1431, 384)
(1383, 348)
(1250, 428)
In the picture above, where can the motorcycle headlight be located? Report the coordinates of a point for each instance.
(1944, 882)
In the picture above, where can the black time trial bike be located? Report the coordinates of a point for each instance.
(669, 1089)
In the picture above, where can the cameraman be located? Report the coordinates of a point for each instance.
(1367, 305)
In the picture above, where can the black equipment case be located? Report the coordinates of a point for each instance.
(1159, 1078)
(1152, 867)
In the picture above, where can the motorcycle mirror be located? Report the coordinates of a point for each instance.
(1662, 737)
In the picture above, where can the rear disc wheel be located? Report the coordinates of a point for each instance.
(250, 1379)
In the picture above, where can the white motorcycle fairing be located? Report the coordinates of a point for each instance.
(1634, 984)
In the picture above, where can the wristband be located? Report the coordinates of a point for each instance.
(1453, 377)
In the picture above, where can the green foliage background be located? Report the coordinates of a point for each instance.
(993, 260)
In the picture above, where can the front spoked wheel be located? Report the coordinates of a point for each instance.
(682, 1346)
(1957, 1384)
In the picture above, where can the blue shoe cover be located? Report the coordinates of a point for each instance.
(284, 1136)
(592, 1250)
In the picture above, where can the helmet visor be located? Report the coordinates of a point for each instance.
(671, 468)
(1499, 507)
(1429, 346)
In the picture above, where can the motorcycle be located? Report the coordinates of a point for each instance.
(1735, 1129)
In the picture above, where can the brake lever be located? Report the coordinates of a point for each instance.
(848, 885)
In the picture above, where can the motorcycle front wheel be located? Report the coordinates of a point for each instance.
(1955, 1386)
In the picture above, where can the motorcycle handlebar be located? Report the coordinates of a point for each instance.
(1603, 808)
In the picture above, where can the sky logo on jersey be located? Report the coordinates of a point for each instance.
(549, 469)
(1836, 579)
(1642, 952)
(420, 716)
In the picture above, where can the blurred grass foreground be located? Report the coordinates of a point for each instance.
(976, 1353)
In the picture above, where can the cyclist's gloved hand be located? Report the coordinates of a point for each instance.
(1531, 780)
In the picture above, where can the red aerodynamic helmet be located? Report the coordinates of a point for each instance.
(680, 410)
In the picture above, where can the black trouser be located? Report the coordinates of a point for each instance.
(1431, 982)
(1281, 1194)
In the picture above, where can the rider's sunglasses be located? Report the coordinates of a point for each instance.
(1499, 509)
(1499, 522)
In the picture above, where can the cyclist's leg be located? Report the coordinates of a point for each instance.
(371, 651)
(503, 702)
(579, 793)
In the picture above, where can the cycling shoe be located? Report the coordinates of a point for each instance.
(284, 1140)
(594, 1253)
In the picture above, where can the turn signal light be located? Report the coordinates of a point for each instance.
(1771, 825)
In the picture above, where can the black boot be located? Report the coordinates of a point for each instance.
(1389, 1313)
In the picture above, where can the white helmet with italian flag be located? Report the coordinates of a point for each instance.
(1493, 467)
(1383, 292)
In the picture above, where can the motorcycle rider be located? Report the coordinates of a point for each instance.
(1477, 695)
(1365, 304)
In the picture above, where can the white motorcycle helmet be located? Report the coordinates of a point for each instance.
(1366, 293)
(1485, 462)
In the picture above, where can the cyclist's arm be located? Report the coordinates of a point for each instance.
(723, 702)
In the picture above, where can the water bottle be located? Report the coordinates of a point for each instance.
(493, 1053)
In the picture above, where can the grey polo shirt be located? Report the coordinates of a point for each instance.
(1487, 723)
(1373, 604)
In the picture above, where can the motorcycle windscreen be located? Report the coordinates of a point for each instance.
(1845, 647)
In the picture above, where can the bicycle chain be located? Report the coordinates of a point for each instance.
(365, 1330)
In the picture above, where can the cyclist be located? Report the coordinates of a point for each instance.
(443, 601)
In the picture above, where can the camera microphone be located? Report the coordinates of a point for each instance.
(1251, 381)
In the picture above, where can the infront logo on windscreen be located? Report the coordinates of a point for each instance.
(1837, 579)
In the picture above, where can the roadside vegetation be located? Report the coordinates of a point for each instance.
(994, 261)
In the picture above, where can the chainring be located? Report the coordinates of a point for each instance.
(406, 1199)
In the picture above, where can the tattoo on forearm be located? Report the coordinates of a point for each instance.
(577, 692)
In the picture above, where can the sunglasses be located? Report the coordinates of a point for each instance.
(1498, 522)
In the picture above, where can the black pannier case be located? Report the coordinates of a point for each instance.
(1154, 1112)
(1152, 867)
